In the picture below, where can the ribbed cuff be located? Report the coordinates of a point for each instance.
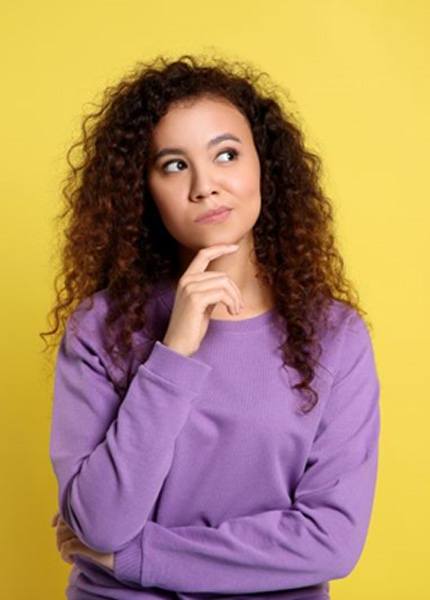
(128, 561)
(183, 371)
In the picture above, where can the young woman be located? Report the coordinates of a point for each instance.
(216, 403)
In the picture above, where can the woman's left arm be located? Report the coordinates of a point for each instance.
(318, 538)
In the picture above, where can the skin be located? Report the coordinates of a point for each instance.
(185, 185)
(196, 180)
(68, 544)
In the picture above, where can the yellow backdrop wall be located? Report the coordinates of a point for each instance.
(358, 73)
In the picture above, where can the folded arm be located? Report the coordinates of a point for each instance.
(111, 455)
(320, 537)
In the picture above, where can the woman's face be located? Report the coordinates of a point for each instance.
(192, 170)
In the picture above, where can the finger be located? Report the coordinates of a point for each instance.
(70, 548)
(209, 275)
(65, 550)
(54, 520)
(63, 536)
(216, 295)
(63, 525)
(238, 294)
(225, 283)
(64, 529)
(204, 256)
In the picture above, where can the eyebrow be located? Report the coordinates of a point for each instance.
(212, 142)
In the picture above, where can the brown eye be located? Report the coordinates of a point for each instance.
(171, 162)
(232, 151)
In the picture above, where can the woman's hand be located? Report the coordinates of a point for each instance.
(198, 292)
(69, 544)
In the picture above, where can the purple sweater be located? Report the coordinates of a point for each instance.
(203, 476)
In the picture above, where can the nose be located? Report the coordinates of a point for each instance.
(202, 185)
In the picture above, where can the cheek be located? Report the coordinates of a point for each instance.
(246, 183)
(248, 196)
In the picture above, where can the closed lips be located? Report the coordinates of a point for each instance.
(211, 213)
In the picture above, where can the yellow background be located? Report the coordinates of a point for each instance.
(358, 74)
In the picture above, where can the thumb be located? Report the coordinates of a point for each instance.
(54, 520)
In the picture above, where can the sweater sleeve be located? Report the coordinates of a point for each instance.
(111, 455)
(319, 537)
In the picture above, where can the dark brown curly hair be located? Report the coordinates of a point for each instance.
(115, 239)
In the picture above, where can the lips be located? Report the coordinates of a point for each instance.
(211, 213)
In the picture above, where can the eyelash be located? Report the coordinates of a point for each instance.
(231, 150)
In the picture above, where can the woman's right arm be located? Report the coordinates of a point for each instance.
(111, 456)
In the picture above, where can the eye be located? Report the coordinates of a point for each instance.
(171, 162)
(232, 151)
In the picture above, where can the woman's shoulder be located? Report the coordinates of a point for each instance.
(87, 318)
(345, 327)
(342, 316)
(86, 329)
(91, 312)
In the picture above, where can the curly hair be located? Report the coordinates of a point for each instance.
(115, 240)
